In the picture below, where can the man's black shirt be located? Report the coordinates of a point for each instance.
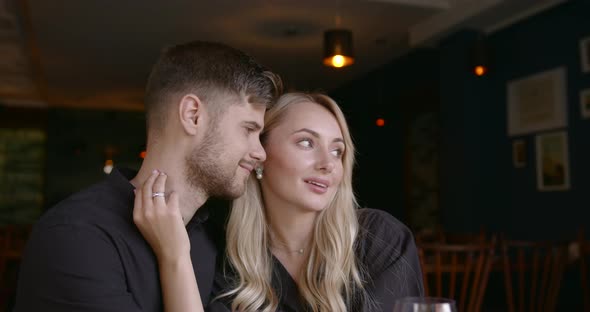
(86, 254)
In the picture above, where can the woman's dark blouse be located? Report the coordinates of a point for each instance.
(387, 253)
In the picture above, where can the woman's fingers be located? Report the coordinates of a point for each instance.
(173, 202)
(152, 203)
(147, 189)
(164, 203)
(159, 220)
(159, 191)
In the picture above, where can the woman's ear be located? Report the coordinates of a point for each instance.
(189, 111)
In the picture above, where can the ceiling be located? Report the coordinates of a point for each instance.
(97, 54)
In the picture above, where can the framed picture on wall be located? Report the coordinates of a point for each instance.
(585, 103)
(552, 161)
(537, 102)
(585, 54)
(518, 153)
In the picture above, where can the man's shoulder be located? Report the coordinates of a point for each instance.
(78, 203)
(97, 217)
(94, 204)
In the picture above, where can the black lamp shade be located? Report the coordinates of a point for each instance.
(338, 42)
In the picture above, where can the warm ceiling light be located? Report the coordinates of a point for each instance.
(108, 166)
(480, 57)
(480, 70)
(338, 48)
(338, 60)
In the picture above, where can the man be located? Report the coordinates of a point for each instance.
(205, 105)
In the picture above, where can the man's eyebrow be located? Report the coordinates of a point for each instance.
(253, 124)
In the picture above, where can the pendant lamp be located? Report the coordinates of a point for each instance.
(338, 48)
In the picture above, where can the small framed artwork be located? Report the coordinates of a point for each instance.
(585, 103)
(537, 102)
(518, 153)
(585, 54)
(552, 161)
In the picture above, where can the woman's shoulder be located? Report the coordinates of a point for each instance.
(387, 254)
(381, 234)
(381, 223)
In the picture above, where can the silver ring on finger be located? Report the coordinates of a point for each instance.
(158, 194)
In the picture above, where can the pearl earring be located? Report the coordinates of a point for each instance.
(259, 171)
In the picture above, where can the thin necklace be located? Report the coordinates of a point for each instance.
(286, 249)
(298, 251)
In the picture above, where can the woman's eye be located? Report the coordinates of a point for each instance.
(305, 143)
(337, 152)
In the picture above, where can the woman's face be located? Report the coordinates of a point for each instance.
(303, 167)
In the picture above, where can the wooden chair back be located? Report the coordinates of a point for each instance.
(532, 274)
(442, 236)
(457, 271)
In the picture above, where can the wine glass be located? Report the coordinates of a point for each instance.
(424, 304)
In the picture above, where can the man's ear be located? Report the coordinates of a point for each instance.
(189, 110)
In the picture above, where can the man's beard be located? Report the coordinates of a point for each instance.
(206, 169)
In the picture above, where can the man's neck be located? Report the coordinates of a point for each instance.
(190, 200)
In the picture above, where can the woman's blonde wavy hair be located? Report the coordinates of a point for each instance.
(331, 280)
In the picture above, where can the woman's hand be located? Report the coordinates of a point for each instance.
(159, 220)
(157, 215)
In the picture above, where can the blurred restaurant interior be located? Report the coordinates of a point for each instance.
(471, 119)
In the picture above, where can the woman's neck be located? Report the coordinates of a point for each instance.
(291, 238)
(291, 230)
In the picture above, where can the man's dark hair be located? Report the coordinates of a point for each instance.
(207, 69)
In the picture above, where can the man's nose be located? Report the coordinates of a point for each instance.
(258, 153)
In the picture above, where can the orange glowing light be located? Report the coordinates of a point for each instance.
(480, 70)
(380, 122)
(338, 61)
(108, 166)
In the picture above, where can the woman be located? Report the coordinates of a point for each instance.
(296, 240)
